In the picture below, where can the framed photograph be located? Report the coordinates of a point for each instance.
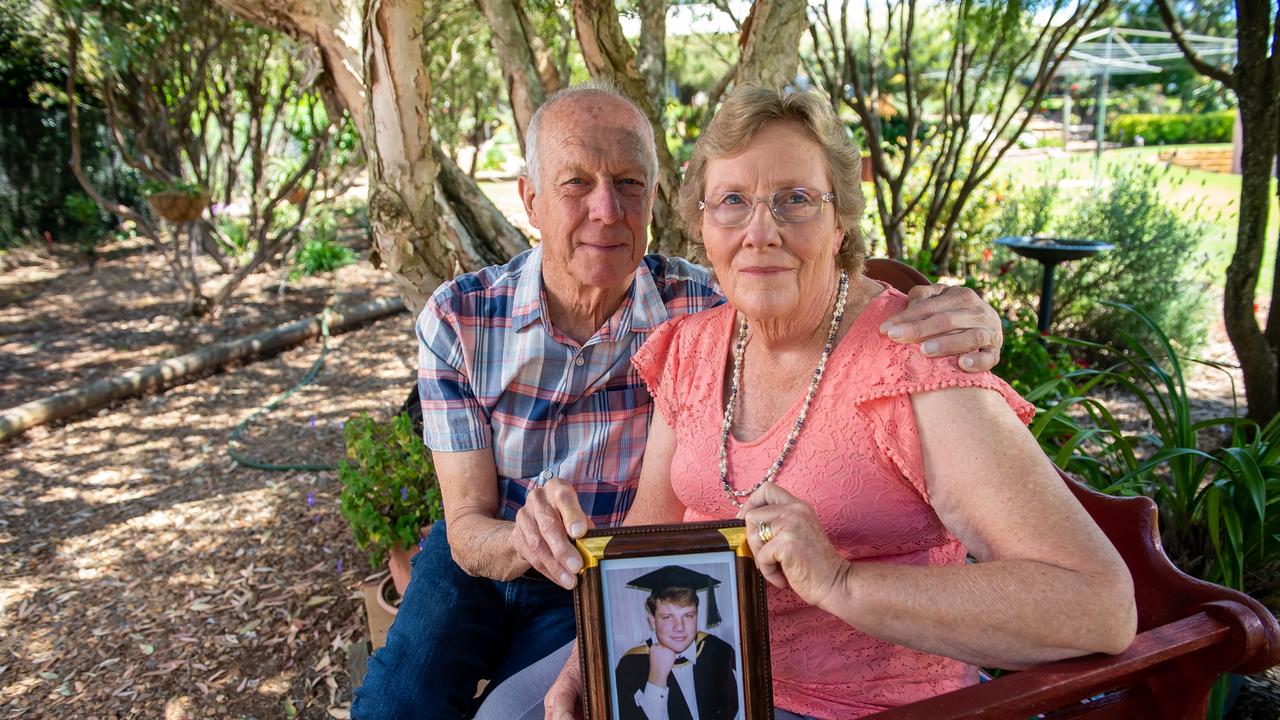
(671, 617)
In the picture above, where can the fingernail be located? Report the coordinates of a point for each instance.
(966, 362)
(567, 580)
(575, 564)
(576, 529)
(896, 332)
(929, 347)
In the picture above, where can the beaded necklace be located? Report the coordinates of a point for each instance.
(739, 351)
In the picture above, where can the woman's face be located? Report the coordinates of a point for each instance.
(768, 269)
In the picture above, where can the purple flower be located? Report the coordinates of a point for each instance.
(404, 493)
(339, 566)
(311, 499)
(313, 422)
(342, 424)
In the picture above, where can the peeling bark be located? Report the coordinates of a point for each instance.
(332, 27)
(770, 43)
(427, 222)
(653, 48)
(402, 171)
(513, 41)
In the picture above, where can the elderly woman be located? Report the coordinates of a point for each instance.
(865, 472)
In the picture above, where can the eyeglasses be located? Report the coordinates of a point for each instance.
(793, 205)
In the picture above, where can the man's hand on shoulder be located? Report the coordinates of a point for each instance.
(545, 528)
(949, 320)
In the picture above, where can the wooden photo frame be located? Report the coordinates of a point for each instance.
(632, 575)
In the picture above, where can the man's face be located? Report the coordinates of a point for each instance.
(675, 625)
(593, 203)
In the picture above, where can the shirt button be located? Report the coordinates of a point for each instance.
(544, 476)
(579, 361)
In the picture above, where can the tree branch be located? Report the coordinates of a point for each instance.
(1202, 66)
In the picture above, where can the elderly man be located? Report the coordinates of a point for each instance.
(527, 389)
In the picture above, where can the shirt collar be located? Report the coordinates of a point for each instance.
(527, 302)
(648, 311)
(645, 313)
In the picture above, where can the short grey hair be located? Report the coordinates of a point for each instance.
(533, 153)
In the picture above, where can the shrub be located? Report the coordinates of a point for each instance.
(389, 489)
(321, 252)
(1172, 129)
(1152, 266)
(234, 234)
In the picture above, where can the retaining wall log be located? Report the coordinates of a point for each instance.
(169, 372)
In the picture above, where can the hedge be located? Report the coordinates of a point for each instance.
(1172, 129)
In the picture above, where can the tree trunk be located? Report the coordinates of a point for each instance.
(426, 223)
(1257, 350)
(515, 50)
(402, 168)
(481, 235)
(653, 49)
(609, 56)
(771, 43)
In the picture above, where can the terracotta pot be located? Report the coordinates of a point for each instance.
(297, 196)
(398, 562)
(179, 207)
(388, 596)
(867, 174)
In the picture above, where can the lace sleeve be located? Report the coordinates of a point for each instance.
(886, 404)
(659, 363)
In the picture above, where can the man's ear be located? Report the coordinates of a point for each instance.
(525, 186)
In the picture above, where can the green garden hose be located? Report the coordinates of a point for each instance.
(307, 379)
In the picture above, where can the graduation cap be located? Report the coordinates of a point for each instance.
(675, 576)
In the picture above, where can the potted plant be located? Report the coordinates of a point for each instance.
(177, 201)
(389, 491)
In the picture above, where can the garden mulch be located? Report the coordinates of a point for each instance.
(144, 573)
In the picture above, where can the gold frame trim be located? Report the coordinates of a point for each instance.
(592, 550)
(737, 538)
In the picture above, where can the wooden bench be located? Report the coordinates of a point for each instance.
(1190, 632)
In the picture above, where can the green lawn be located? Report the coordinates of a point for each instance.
(1213, 198)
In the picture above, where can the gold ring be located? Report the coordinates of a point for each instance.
(764, 531)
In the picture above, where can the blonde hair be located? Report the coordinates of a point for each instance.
(749, 108)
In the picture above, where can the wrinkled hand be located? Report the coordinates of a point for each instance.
(799, 555)
(949, 320)
(544, 529)
(563, 699)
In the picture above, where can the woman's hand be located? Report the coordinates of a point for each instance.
(563, 700)
(799, 555)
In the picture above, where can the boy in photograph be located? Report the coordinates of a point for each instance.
(680, 673)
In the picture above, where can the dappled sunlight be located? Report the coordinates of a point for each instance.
(132, 547)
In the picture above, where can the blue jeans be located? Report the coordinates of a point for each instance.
(453, 630)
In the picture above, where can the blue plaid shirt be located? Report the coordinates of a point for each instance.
(493, 372)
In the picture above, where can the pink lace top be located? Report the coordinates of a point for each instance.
(857, 461)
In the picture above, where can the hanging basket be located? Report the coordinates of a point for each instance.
(178, 206)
